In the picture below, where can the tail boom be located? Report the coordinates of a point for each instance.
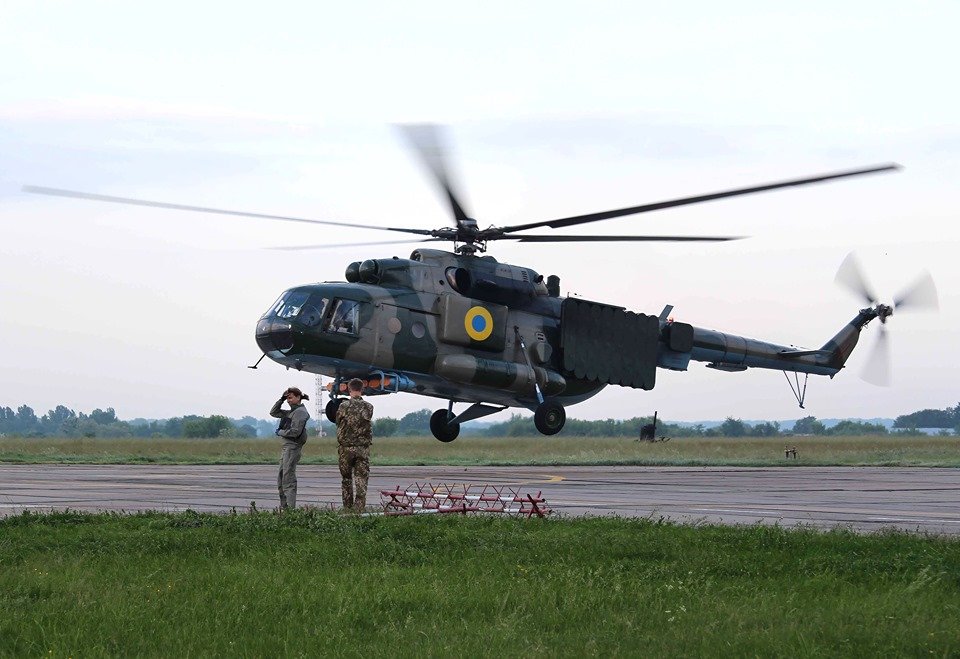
(729, 352)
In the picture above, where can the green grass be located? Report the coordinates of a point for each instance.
(812, 451)
(316, 584)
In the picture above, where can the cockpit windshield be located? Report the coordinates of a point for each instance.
(301, 305)
(275, 307)
(291, 305)
(287, 305)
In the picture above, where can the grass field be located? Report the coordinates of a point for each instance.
(315, 584)
(819, 451)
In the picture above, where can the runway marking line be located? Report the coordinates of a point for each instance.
(539, 481)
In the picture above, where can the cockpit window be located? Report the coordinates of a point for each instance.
(345, 318)
(291, 305)
(275, 307)
(313, 311)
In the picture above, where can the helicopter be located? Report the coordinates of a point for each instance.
(463, 327)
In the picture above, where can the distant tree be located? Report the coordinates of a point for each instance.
(87, 427)
(415, 423)
(173, 427)
(247, 426)
(53, 421)
(218, 424)
(26, 420)
(206, 427)
(734, 428)
(245, 431)
(927, 419)
(104, 417)
(808, 425)
(70, 427)
(517, 426)
(766, 429)
(115, 429)
(849, 428)
(385, 426)
(8, 420)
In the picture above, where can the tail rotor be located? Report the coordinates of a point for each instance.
(919, 296)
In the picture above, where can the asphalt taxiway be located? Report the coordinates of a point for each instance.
(924, 500)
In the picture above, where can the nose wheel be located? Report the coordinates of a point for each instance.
(549, 417)
(330, 411)
(441, 427)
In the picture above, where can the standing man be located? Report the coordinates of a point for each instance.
(354, 437)
(293, 432)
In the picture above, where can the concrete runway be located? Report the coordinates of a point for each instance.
(861, 498)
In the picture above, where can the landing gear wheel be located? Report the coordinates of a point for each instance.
(441, 427)
(549, 417)
(331, 409)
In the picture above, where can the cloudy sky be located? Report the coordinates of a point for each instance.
(553, 108)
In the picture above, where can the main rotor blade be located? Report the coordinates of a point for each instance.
(922, 294)
(426, 140)
(877, 369)
(851, 276)
(686, 201)
(296, 248)
(73, 194)
(602, 239)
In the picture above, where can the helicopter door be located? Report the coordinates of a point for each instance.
(406, 339)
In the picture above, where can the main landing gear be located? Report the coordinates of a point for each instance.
(442, 426)
(549, 417)
(330, 411)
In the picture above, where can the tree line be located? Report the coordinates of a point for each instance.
(65, 422)
(948, 418)
(418, 423)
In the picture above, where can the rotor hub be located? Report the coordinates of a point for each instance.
(884, 311)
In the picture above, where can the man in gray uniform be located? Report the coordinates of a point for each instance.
(293, 432)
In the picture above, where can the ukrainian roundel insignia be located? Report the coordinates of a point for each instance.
(478, 323)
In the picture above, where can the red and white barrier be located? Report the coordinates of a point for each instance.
(428, 498)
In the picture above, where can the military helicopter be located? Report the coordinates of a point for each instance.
(461, 326)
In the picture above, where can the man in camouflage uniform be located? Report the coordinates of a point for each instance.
(293, 432)
(354, 437)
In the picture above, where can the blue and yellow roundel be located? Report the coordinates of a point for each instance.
(478, 323)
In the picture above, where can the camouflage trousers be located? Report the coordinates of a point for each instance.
(354, 471)
(287, 476)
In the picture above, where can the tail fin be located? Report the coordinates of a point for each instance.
(841, 346)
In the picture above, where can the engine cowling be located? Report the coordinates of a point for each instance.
(501, 283)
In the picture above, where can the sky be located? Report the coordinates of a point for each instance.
(552, 109)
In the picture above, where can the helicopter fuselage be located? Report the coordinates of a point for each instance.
(410, 320)
(469, 329)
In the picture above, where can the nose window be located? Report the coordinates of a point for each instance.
(345, 318)
(291, 305)
(275, 307)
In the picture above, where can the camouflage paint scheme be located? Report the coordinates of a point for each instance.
(414, 324)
